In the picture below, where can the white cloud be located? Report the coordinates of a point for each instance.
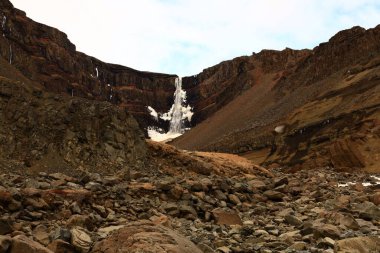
(183, 37)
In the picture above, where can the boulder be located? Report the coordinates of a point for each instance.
(358, 245)
(80, 239)
(40, 234)
(274, 195)
(22, 244)
(59, 246)
(5, 243)
(5, 227)
(224, 217)
(144, 236)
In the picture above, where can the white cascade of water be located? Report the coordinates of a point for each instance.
(176, 124)
(179, 113)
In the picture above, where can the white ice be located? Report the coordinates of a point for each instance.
(176, 115)
(153, 113)
(365, 184)
(161, 137)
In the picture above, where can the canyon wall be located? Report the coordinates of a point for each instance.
(323, 102)
(46, 56)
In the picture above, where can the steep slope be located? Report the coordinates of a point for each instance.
(324, 103)
(45, 55)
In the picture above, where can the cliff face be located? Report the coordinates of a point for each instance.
(323, 103)
(45, 55)
(216, 86)
(44, 130)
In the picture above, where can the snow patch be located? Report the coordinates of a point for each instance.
(97, 72)
(365, 184)
(153, 113)
(158, 136)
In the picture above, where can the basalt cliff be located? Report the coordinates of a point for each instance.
(44, 55)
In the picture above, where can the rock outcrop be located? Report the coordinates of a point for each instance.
(45, 55)
(47, 131)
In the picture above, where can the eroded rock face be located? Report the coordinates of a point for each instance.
(45, 55)
(216, 86)
(144, 236)
(60, 131)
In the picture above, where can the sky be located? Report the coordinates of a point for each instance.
(184, 37)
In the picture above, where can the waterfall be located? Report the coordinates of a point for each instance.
(178, 115)
(176, 125)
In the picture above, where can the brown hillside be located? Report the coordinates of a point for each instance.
(327, 100)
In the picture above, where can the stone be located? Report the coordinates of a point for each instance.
(75, 208)
(80, 239)
(280, 181)
(260, 232)
(166, 184)
(326, 230)
(205, 248)
(81, 221)
(104, 232)
(40, 234)
(234, 199)
(224, 249)
(375, 198)
(36, 203)
(144, 236)
(176, 192)
(60, 246)
(274, 195)
(285, 212)
(5, 227)
(369, 211)
(257, 184)
(226, 217)
(5, 243)
(188, 210)
(22, 244)
(329, 242)
(358, 245)
(298, 246)
(93, 186)
(293, 220)
(60, 234)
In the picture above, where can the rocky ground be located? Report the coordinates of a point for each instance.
(178, 209)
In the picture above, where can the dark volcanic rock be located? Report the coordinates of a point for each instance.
(65, 131)
(45, 55)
